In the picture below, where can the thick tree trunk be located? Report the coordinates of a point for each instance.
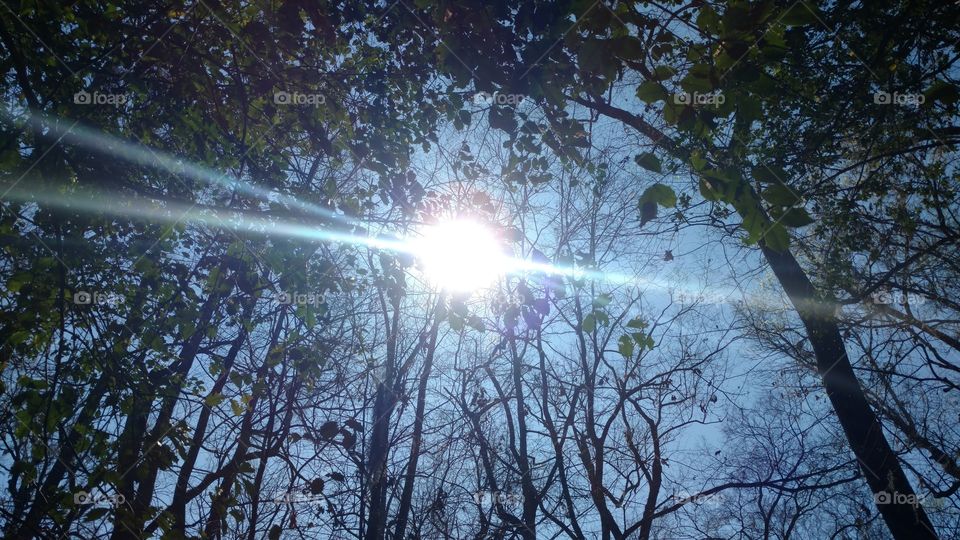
(878, 462)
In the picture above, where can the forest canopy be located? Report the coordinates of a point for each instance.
(479, 269)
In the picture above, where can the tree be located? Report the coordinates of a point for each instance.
(728, 77)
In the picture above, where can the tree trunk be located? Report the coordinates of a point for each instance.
(406, 497)
(878, 462)
(383, 405)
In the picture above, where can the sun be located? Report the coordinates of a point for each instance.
(460, 255)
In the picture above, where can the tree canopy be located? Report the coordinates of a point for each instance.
(722, 239)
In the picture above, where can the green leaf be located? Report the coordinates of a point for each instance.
(589, 323)
(625, 346)
(698, 79)
(629, 47)
(708, 20)
(768, 174)
(213, 400)
(796, 217)
(777, 238)
(943, 92)
(800, 14)
(639, 324)
(662, 73)
(660, 194)
(591, 55)
(602, 301)
(651, 92)
(780, 195)
(95, 514)
(709, 190)
(648, 161)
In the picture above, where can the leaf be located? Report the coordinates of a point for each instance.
(777, 238)
(661, 73)
(657, 194)
(648, 211)
(708, 20)
(349, 439)
(625, 346)
(95, 514)
(213, 400)
(589, 323)
(591, 56)
(651, 92)
(780, 195)
(329, 430)
(943, 92)
(628, 47)
(796, 217)
(639, 324)
(769, 174)
(602, 301)
(648, 161)
(799, 14)
(476, 323)
(502, 118)
(530, 317)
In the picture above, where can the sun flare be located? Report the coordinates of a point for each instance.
(460, 255)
